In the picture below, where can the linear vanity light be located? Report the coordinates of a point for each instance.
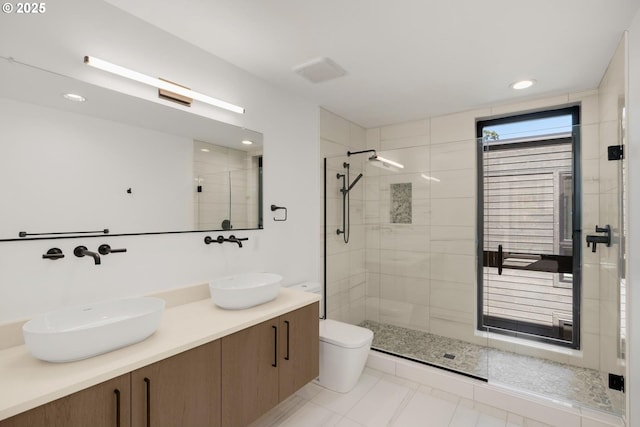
(159, 83)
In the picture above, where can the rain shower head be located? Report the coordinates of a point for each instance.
(376, 158)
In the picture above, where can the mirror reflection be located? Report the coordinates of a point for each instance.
(118, 162)
(228, 186)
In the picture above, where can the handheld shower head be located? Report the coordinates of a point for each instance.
(354, 182)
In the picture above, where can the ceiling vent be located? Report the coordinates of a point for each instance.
(320, 70)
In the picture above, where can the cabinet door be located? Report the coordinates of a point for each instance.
(183, 390)
(106, 404)
(299, 349)
(250, 373)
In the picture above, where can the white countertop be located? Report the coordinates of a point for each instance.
(26, 382)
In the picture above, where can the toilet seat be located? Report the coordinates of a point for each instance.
(344, 335)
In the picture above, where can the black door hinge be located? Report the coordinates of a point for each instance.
(616, 382)
(615, 152)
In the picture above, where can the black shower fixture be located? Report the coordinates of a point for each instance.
(375, 157)
(346, 188)
(351, 153)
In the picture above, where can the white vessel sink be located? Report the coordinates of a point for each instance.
(76, 333)
(244, 290)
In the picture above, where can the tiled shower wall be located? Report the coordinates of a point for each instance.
(422, 275)
(345, 262)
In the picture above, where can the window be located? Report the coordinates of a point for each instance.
(528, 273)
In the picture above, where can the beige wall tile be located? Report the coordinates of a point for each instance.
(527, 106)
(453, 240)
(404, 130)
(456, 127)
(453, 268)
(450, 212)
(453, 156)
(445, 294)
(458, 183)
(334, 128)
(406, 142)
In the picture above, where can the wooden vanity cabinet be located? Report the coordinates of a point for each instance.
(299, 349)
(266, 363)
(104, 405)
(229, 382)
(183, 390)
(249, 377)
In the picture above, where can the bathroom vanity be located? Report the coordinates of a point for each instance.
(204, 366)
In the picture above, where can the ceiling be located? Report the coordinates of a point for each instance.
(405, 59)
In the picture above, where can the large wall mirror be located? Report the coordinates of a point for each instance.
(117, 162)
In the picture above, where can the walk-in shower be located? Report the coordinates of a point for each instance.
(409, 269)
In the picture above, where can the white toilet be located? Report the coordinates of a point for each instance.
(343, 349)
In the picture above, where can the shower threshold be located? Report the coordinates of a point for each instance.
(580, 386)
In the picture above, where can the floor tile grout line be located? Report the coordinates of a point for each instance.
(402, 406)
(377, 379)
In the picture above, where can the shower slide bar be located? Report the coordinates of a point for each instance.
(346, 216)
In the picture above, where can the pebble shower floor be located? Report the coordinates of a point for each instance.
(585, 387)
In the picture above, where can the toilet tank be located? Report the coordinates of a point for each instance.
(313, 287)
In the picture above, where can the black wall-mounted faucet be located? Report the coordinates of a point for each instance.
(81, 251)
(221, 239)
(593, 240)
(106, 250)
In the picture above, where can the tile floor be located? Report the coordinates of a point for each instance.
(380, 399)
(581, 386)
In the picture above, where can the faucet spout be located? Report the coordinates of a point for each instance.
(594, 239)
(234, 239)
(81, 251)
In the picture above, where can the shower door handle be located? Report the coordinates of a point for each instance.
(548, 263)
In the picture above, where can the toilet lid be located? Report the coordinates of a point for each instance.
(344, 334)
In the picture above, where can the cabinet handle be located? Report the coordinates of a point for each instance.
(275, 346)
(117, 393)
(288, 326)
(148, 383)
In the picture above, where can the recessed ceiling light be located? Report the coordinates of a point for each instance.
(522, 84)
(247, 142)
(205, 150)
(74, 97)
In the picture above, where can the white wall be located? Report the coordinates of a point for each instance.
(58, 40)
